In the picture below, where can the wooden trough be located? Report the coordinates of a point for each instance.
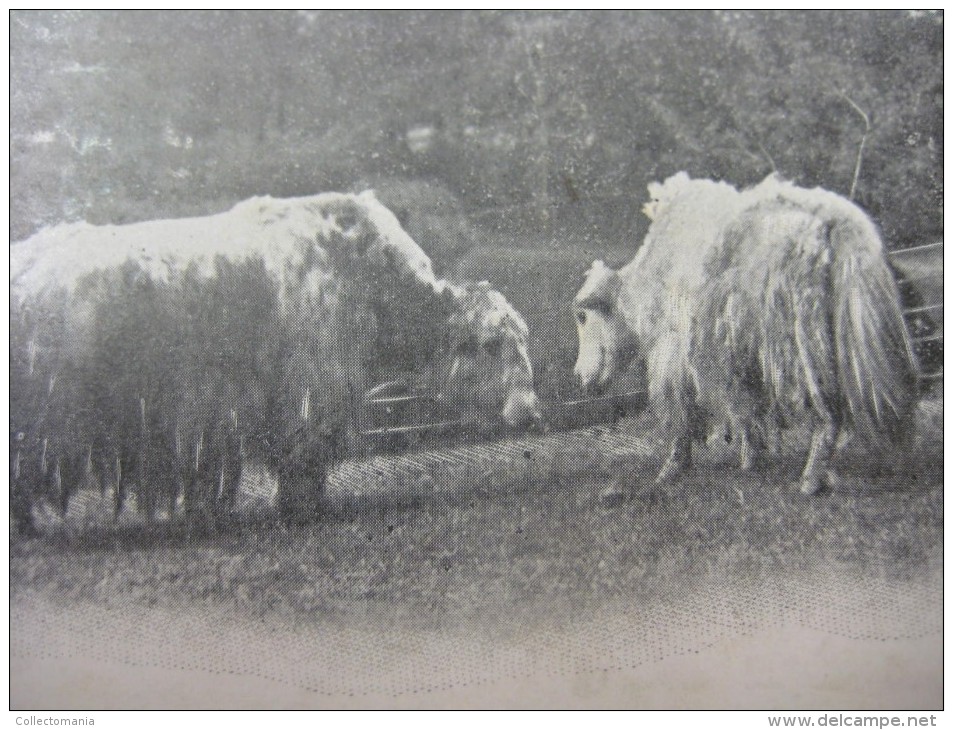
(394, 418)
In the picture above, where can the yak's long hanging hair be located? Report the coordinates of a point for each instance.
(659, 288)
(800, 309)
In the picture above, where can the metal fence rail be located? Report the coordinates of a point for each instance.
(918, 272)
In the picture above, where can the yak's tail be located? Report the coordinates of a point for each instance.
(876, 368)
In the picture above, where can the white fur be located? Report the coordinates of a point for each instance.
(654, 295)
(755, 307)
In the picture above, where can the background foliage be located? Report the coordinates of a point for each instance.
(128, 115)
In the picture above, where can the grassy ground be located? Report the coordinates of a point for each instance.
(510, 549)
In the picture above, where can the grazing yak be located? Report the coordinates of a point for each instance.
(756, 309)
(154, 356)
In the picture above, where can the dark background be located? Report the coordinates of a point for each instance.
(539, 118)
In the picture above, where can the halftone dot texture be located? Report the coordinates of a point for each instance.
(395, 659)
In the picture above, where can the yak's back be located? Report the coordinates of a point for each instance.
(286, 234)
(687, 217)
(264, 227)
(659, 284)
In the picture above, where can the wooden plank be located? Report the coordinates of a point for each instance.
(923, 277)
(383, 387)
(614, 398)
(401, 399)
(417, 428)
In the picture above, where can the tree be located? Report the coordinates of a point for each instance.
(124, 115)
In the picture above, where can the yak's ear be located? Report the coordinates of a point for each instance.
(367, 196)
(600, 289)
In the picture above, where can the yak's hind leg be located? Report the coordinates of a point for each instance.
(817, 470)
(693, 428)
(750, 450)
(678, 460)
(757, 442)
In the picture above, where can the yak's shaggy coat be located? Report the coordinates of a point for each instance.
(153, 356)
(757, 308)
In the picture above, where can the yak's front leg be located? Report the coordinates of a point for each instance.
(678, 461)
(749, 450)
(817, 471)
(755, 441)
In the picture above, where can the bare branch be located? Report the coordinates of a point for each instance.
(767, 154)
(740, 136)
(518, 84)
(863, 141)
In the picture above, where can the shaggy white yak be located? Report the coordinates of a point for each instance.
(155, 353)
(755, 309)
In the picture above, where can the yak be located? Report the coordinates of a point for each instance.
(758, 309)
(157, 356)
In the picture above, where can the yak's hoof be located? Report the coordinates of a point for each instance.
(612, 496)
(832, 479)
(814, 484)
(747, 459)
(811, 485)
(751, 460)
(668, 474)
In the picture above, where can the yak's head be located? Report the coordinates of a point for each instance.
(488, 374)
(490, 371)
(606, 344)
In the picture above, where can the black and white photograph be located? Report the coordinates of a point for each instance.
(476, 359)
